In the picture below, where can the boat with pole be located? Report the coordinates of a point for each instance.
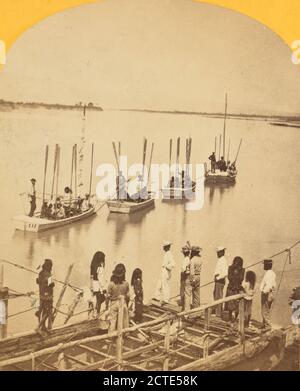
(222, 171)
(180, 185)
(57, 210)
(124, 203)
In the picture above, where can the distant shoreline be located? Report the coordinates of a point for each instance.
(281, 120)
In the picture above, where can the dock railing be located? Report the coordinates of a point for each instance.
(118, 335)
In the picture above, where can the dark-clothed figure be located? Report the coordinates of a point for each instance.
(236, 274)
(32, 196)
(98, 279)
(116, 288)
(213, 162)
(137, 284)
(185, 282)
(221, 164)
(44, 210)
(195, 274)
(220, 275)
(46, 286)
(267, 288)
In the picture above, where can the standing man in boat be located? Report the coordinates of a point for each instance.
(167, 265)
(121, 185)
(220, 275)
(267, 288)
(213, 162)
(195, 272)
(32, 196)
(46, 286)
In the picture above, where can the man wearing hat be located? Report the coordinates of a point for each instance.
(167, 265)
(195, 272)
(32, 196)
(267, 288)
(220, 275)
(185, 284)
(46, 286)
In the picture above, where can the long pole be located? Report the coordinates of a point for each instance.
(177, 156)
(144, 156)
(57, 170)
(224, 128)
(91, 172)
(75, 167)
(72, 169)
(238, 151)
(54, 170)
(216, 145)
(149, 169)
(220, 142)
(228, 151)
(45, 170)
(116, 156)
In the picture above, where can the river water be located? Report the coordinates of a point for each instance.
(256, 218)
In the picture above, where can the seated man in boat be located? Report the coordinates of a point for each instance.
(44, 210)
(86, 203)
(79, 204)
(213, 162)
(60, 213)
(232, 169)
(221, 165)
(172, 182)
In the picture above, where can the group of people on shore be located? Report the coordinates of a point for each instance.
(221, 164)
(107, 292)
(60, 208)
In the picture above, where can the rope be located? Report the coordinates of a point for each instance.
(21, 312)
(18, 266)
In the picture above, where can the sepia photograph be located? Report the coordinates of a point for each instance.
(150, 209)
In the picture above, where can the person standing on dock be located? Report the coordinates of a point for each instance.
(167, 265)
(195, 272)
(46, 286)
(236, 274)
(117, 287)
(32, 196)
(267, 288)
(220, 275)
(185, 282)
(213, 162)
(98, 280)
(137, 285)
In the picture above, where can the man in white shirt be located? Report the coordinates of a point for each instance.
(167, 265)
(267, 288)
(220, 275)
(185, 283)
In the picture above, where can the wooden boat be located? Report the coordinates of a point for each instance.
(128, 207)
(38, 224)
(177, 192)
(166, 340)
(218, 177)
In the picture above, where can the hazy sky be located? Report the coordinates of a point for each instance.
(159, 54)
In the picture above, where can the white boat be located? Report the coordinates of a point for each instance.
(127, 207)
(39, 224)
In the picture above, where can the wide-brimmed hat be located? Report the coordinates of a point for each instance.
(220, 248)
(119, 270)
(167, 243)
(196, 249)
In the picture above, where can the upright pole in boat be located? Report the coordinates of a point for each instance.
(116, 156)
(54, 170)
(220, 142)
(75, 169)
(72, 169)
(91, 172)
(57, 169)
(216, 145)
(170, 158)
(238, 151)
(144, 156)
(228, 150)
(224, 128)
(119, 344)
(150, 162)
(177, 157)
(119, 150)
(3, 305)
(45, 170)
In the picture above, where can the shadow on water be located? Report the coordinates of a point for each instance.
(220, 189)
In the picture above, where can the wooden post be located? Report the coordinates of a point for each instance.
(167, 345)
(242, 319)
(61, 365)
(119, 345)
(58, 304)
(207, 319)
